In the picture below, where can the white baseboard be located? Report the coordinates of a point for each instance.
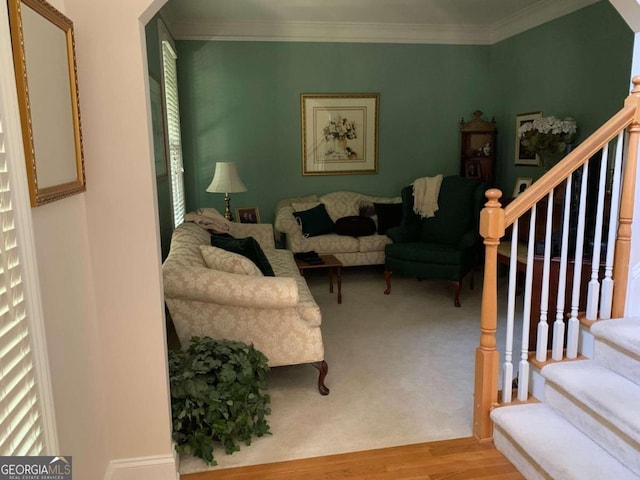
(157, 467)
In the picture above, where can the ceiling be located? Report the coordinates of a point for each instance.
(388, 21)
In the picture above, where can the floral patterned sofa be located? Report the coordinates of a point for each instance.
(277, 314)
(365, 250)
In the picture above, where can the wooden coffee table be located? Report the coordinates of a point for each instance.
(332, 264)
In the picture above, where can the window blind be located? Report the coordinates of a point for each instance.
(172, 112)
(21, 425)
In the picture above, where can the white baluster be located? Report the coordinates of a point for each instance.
(507, 370)
(543, 325)
(558, 326)
(574, 324)
(523, 367)
(593, 293)
(606, 298)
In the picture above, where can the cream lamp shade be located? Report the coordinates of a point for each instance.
(226, 180)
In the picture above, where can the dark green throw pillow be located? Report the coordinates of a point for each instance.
(389, 215)
(315, 221)
(248, 247)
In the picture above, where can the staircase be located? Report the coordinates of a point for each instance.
(587, 426)
(581, 418)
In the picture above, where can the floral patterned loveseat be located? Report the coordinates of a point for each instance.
(277, 314)
(365, 250)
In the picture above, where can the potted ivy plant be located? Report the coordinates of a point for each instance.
(217, 396)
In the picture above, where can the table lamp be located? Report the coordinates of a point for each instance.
(226, 180)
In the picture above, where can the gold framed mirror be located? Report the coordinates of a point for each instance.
(46, 80)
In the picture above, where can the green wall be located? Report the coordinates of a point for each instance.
(239, 101)
(578, 65)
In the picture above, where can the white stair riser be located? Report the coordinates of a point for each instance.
(536, 384)
(586, 342)
(617, 443)
(523, 463)
(617, 360)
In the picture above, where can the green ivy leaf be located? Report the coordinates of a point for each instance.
(217, 396)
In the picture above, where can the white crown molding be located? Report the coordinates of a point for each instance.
(630, 11)
(541, 12)
(332, 32)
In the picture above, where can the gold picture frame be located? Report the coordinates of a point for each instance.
(247, 215)
(339, 133)
(523, 157)
(46, 80)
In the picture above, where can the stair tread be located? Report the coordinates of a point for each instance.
(624, 332)
(601, 390)
(547, 435)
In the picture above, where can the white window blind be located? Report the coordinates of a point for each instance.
(21, 426)
(172, 113)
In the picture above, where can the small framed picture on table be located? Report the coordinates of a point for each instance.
(522, 183)
(248, 215)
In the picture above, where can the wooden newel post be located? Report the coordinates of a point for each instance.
(623, 239)
(487, 357)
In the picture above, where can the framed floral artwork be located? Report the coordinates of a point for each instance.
(523, 156)
(339, 133)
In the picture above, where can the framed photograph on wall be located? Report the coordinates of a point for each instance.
(522, 183)
(339, 133)
(248, 215)
(524, 157)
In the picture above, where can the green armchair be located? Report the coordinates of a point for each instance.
(443, 247)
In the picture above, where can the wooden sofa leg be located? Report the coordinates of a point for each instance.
(323, 368)
(387, 278)
(456, 293)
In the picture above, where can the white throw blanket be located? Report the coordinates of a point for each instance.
(425, 195)
(211, 220)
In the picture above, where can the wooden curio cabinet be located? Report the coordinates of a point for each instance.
(477, 148)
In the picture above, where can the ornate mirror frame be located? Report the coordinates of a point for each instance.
(46, 80)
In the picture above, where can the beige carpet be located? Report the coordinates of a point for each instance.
(401, 370)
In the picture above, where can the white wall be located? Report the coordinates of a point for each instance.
(73, 340)
(633, 286)
(71, 323)
(121, 221)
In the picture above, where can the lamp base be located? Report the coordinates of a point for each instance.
(227, 207)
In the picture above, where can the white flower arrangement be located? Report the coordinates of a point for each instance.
(548, 137)
(548, 134)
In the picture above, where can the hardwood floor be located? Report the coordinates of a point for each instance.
(459, 459)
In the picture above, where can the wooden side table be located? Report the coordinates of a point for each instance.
(332, 264)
